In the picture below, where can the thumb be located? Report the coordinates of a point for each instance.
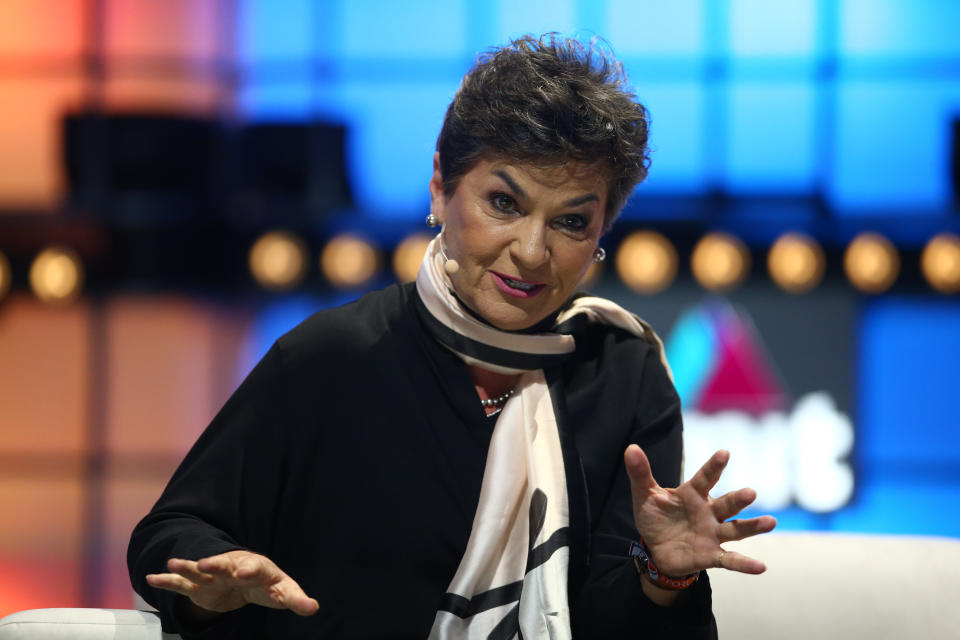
(295, 599)
(638, 470)
(303, 605)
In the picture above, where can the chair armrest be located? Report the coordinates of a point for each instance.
(834, 586)
(82, 624)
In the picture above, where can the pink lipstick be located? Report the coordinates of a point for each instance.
(517, 287)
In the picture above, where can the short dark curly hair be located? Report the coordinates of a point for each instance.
(548, 101)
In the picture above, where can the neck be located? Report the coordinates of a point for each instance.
(491, 384)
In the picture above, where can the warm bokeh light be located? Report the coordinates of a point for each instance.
(720, 262)
(278, 260)
(871, 263)
(348, 261)
(646, 262)
(796, 263)
(6, 275)
(409, 255)
(56, 275)
(941, 262)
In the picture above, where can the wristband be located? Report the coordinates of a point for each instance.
(643, 561)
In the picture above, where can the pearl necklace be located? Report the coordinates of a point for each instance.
(499, 400)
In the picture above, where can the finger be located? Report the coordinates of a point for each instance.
(221, 565)
(188, 569)
(733, 561)
(296, 600)
(251, 568)
(730, 504)
(304, 606)
(281, 590)
(285, 594)
(172, 582)
(706, 476)
(638, 469)
(740, 529)
(236, 565)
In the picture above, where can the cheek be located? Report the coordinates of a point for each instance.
(576, 265)
(480, 244)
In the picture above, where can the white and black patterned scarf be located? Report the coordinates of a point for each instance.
(513, 577)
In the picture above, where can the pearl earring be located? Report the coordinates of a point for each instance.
(433, 220)
(599, 254)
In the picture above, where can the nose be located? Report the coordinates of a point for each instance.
(529, 249)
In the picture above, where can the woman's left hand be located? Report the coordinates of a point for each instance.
(684, 527)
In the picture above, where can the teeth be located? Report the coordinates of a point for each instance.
(523, 286)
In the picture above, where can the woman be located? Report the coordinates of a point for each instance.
(459, 457)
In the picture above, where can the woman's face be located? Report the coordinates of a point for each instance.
(523, 236)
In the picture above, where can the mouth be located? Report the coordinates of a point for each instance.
(516, 287)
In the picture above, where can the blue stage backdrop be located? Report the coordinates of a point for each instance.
(853, 98)
(850, 100)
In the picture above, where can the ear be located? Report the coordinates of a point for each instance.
(436, 188)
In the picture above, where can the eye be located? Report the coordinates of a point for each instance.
(572, 222)
(503, 203)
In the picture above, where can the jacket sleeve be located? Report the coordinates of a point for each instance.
(612, 603)
(225, 486)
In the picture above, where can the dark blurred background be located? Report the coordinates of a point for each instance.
(182, 181)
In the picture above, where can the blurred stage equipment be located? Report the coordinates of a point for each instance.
(871, 263)
(720, 262)
(940, 262)
(278, 260)
(162, 165)
(348, 261)
(6, 276)
(141, 165)
(408, 256)
(296, 165)
(179, 194)
(796, 263)
(56, 275)
(646, 262)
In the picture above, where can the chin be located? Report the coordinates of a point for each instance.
(513, 326)
(517, 322)
(505, 314)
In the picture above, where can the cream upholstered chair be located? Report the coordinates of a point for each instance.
(842, 586)
(817, 585)
(139, 623)
(82, 624)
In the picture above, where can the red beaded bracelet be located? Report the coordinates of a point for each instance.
(643, 560)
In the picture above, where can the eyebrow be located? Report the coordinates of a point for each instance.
(573, 202)
(510, 181)
(590, 197)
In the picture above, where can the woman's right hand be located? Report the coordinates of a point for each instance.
(231, 580)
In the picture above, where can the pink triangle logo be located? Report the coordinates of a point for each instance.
(722, 362)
